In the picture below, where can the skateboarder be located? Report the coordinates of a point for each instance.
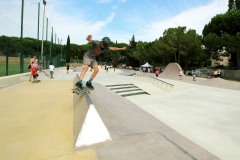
(89, 58)
(34, 68)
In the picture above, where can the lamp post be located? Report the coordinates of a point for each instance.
(61, 50)
(38, 27)
(44, 3)
(21, 42)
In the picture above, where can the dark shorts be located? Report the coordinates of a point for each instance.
(51, 72)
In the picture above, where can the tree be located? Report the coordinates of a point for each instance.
(222, 31)
(132, 43)
(237, 3)
(231, 5)
(68, 50)
(174, 37)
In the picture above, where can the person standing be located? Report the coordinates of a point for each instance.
(51, 68)
(180, 74)
(157, 72)
(67, 67)
(89, 58)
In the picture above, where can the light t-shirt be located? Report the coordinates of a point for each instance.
(51, 67)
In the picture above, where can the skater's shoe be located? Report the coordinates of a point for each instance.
(89, 85)
(79, 85)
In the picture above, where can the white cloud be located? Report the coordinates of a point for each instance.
(79, 29)
(195, 18)
(76, 26)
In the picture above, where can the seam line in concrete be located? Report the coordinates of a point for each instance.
(178, 146)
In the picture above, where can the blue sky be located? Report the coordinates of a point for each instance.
(118, 19)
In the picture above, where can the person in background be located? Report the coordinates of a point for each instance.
(218, 73)
(157, 72)
(194, 77)
(51, 68)
(68, 66)
(33, 68)
(213, 74)
(180, 74)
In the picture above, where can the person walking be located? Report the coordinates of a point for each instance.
(51, 68)
(89, 58)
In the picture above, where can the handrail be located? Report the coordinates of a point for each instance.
(160, 83)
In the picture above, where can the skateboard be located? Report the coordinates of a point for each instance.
(36, 81)
(79, 91)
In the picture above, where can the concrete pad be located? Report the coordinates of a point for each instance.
(36, 122)
(141, 147)
(208, 116)
(124, 119)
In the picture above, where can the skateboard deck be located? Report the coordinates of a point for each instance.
(36, 81)
(79, 91)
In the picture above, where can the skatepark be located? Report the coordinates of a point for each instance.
(128, 116)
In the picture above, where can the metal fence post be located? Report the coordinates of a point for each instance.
(7, 61)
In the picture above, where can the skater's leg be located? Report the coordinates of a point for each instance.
(82, 74)
(95, 72)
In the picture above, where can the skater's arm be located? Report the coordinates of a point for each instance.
(116, 48)
(89, 38)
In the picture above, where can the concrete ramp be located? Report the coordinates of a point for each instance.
(171, 71)
(137, 135)
(88, 128)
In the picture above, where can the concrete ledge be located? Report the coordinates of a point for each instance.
(86, 121)
(13, 79)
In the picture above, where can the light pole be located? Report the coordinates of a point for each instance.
(44, 3)
(21, 42)
(38, 27)
(61, 50)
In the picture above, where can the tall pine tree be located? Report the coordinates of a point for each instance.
(133, 43)
(68, 50)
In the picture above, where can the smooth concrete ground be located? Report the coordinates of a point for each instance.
(209, 116)
(36, 122)
(36, 119)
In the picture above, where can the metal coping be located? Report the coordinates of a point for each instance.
(123, 87)
(134, 94)
(118, 85)
(129, 90)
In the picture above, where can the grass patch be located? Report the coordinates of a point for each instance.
(13, 65)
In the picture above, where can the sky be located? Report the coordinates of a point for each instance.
(117, 19)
